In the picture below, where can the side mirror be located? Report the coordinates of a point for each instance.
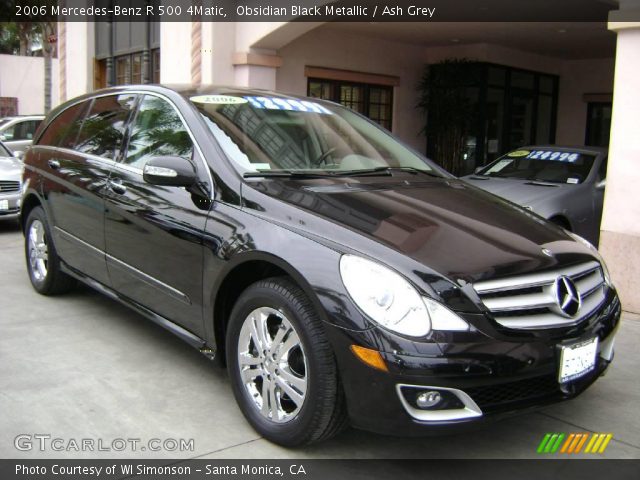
(19, 154)
(170, 172)
(477, 170)
(601, 184)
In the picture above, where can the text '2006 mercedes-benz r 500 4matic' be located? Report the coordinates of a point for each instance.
(342, 277)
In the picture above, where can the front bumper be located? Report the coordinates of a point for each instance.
(10, 205)
(492, 375)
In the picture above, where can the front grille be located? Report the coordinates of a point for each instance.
(7, 186)
(491, 396)
(531, 301)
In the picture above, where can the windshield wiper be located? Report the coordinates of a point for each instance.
(286, 173)
(377, 171)
(387, 171)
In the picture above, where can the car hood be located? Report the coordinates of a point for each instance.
(450, 227)
(522, 192)
(10, 168)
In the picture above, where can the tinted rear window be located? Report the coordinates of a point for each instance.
(63, 130)
(102, 131)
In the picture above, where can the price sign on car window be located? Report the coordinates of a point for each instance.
(569, 157)
(276, 103)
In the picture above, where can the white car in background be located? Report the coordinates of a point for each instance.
(17, 132)
(10, 184)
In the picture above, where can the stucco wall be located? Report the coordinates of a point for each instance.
(23, 77)
(354, 52)
(577, 78)
(80, 42)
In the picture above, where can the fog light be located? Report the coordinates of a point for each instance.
(428, 399)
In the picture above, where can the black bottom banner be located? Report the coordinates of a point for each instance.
(319, 469)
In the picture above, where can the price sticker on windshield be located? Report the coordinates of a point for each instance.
(276, 103)
(518, 153)
(556, 156)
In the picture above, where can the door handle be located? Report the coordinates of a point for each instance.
(117, 186)
(54, 164)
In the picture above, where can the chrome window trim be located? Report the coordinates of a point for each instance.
(91, 156)
(203, 162)
(470, 410)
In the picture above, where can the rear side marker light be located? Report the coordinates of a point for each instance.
(370, 357)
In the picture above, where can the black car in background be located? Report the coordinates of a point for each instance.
(343, 278)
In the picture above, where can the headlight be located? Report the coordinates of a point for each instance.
(444, 319)
(596, 253)
(384, 296)
(392, 302)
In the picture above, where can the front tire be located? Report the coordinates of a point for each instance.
(43, 263)
(282, 367)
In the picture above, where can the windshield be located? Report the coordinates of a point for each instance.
(274, 135)
(542, 165)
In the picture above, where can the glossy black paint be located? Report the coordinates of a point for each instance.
(179, 256)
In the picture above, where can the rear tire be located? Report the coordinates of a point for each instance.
(277, 352)
(43, 263)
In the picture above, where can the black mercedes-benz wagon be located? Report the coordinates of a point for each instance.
(342, 277)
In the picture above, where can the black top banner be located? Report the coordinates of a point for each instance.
(309, 10)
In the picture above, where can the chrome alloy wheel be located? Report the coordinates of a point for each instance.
(273, 365)
(38, 251)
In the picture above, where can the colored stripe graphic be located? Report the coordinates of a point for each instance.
(574, 443)
(568, 442)
(543, 443)
(550, 443)
(581, 442)
(556, 446)
(604, 445)
(599, 443)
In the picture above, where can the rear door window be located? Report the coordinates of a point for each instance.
(103, 129)
(23, 131)
(63, 130)
(30, 128)
(8, 133)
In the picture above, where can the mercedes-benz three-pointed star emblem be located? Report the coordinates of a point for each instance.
(567, 296)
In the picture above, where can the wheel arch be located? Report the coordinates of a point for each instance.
(561, 220)
(30, 201)
(246, 269)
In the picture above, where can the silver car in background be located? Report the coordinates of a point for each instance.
(565, 185)
(17, 132)
(10, 184)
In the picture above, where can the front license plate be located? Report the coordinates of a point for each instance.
(577, 360)
(4, 204)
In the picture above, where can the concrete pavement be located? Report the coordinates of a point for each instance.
(84, 367)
